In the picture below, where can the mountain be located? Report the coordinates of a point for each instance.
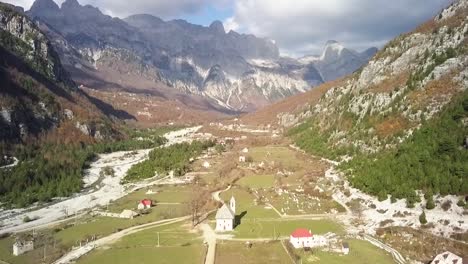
(179, 56)
(337, 61)
(402, 118)
(38, 95)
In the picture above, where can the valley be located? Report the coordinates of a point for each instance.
(278, 189)
(139, 139)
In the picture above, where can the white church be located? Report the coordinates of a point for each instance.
(226, 216)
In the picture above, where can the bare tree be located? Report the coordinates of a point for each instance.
(198, 202)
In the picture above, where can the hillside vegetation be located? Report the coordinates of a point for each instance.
(402, 118)
(53, 169)
(174, 158)
(434, 159)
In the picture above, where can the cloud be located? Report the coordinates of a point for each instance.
(303, 26)
(298, 26)
(123, 8)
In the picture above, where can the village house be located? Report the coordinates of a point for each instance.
(206, 164)
(225, 216)
(145, 204)
(245, 150)
(242, 159)
(303, 238)
(128, 214)
(22, 246)
(345, 248)
(448, 258)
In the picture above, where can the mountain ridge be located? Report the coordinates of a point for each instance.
(181, 55)
(390, 121)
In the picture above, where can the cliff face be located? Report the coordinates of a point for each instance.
(37, 95)
(21, 36)
(183, 56)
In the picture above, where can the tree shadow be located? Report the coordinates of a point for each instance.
(238, 219)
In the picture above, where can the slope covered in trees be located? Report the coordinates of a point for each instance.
(402, 118)
(173, 158)
(54, 169)
(434, 159)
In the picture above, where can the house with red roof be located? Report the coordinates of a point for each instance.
(145, 204)
(303, 238)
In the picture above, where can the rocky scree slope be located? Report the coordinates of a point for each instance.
(37, 95)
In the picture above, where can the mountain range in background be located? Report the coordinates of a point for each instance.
(198, 67)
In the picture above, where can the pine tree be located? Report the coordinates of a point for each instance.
(430, 203)
(422, 218)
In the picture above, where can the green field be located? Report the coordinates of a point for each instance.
(294, 203)
(176, 245)
(260, 253)
(32, 257)
(251, 228)
(245, 203)
(257, 181)
(163, 194)
(102, 226)
(361, 252)
(279, 154)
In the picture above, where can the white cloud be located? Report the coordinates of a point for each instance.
(231, 24)
(123, 8)
(303, 26)
(298, 26)
(26, 4)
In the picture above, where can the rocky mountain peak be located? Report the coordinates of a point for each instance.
(44, 7)
(218, 27)
(333, 50)
(370, 52)
(144, 20)
(71, 4)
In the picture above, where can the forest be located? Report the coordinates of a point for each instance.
(163, 160)
(434, 159)
(55, 170)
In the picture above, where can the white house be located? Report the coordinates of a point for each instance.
(225, 216)
(245, 150)
(345, 248)
(21, 247)
(303, 238)
(447, 258)
(145, 204)
(206, 164)
(242, 159)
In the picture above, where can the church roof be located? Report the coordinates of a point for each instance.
(225, 213)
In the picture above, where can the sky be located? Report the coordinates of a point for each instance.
(298, 27)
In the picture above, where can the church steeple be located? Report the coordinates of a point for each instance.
(232, 204)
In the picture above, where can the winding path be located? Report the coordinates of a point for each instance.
(395, 254)
(73, 255)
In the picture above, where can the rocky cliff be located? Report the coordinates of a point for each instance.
(175, 53)
(38, 96)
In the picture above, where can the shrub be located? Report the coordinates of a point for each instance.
(446, 205)
(430, 203)
(461, 203)
(422, 218)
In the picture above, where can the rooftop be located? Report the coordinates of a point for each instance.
(225, 213)
(301, 232)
